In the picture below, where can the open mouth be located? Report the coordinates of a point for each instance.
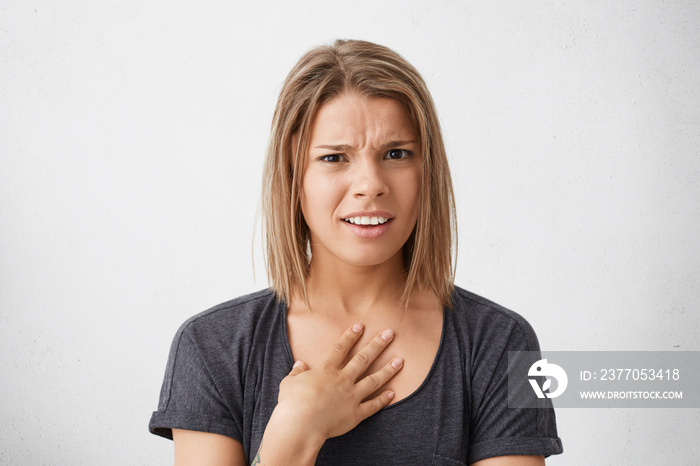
(366, 221)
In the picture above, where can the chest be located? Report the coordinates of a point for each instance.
(427, 425)
(416, 340)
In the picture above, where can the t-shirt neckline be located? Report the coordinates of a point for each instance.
(414, 394)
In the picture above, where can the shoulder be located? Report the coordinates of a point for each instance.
(237, 314)
(487, 333)
(234, 323)
(225, 340)
(484, 321)
(209, 363)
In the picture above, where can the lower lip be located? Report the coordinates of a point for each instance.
(367, 231)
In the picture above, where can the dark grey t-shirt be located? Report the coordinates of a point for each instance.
(226, 365)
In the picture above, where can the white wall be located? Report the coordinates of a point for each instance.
(131, 143)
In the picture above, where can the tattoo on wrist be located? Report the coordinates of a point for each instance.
(256, 460)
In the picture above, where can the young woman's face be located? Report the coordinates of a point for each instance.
(361, 182)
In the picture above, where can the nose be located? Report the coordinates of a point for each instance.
(369, 180)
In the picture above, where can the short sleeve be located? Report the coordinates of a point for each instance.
(496, 429)
(191, 396)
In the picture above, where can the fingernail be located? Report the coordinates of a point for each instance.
(387, 334)
(357, 328)
(390, 395)
(397, 362)
(297, 364)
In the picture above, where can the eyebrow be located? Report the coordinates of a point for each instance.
(347, 147)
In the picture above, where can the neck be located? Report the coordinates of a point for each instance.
(355, 290)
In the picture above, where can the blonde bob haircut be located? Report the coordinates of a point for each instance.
(372, 71)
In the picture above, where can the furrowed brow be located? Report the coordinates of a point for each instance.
(336, 148)
(391, 144)
(347, 147)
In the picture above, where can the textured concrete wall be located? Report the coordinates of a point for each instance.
(131, 143)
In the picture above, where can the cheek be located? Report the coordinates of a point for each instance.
(319, 197)
(409, 190)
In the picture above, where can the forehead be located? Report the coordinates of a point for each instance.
(356, 119)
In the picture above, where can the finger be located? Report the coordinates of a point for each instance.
(361, 361)
(298, 368)
(370, 407)
(341, 347)
(376, 380)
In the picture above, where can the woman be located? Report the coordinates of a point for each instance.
(394, 365)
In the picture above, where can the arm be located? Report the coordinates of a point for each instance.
(326, 401)
(511, 460)
(203, 448)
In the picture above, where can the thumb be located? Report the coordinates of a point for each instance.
(298, 368)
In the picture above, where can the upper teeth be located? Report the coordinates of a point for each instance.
(367, 220)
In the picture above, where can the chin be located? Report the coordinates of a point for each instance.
(375, 259)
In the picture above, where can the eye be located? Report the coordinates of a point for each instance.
(332, 158)
(397, 154)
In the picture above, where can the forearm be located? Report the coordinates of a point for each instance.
(285, 442)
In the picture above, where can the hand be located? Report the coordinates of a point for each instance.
(329, 400)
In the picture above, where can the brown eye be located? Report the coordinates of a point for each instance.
(332, 158)
(396, 154)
